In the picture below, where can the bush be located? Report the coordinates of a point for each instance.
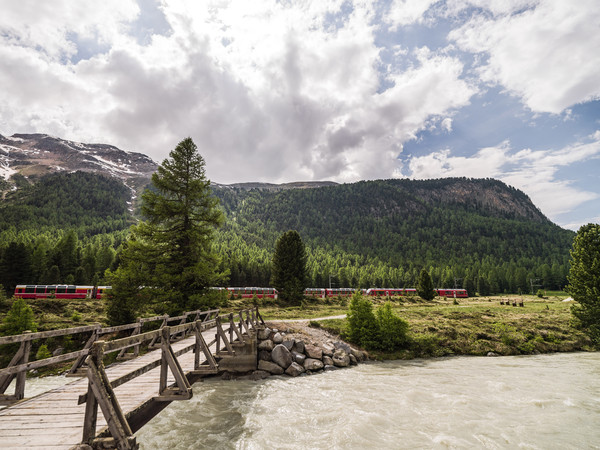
(392, 329)
(19, 318)
(381, 331)
(43, 352)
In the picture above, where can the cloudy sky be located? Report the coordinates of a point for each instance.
(292, 90)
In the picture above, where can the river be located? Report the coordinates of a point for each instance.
(531, 402)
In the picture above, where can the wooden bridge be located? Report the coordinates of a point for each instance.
(159, 367)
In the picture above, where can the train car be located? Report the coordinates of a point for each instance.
(390, 292)
(455, 293)
(341, 292)
(59, 291)
(249, 292)
(315, 292)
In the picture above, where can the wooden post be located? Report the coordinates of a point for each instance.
(223, 336)
(22, 376)
(183, 389)
(21, 357)
(211, 366)
(78, 364)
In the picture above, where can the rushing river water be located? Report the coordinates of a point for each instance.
(532, 402)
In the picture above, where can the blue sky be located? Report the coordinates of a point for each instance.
(280, 91)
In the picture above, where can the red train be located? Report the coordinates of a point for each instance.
(71, 291)
(59, 291)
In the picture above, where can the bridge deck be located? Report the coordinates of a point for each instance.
(54, 420)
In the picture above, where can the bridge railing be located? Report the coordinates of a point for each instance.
(119, 434)
(21, 364)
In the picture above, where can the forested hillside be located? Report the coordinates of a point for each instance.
(63, 229)
(478, 234)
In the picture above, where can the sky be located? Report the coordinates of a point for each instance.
(293, 90)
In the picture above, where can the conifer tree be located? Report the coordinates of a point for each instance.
(584, 279)
(170, 251)
(288, 272)
(425, 286)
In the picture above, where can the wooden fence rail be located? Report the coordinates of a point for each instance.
(20, 364)
(101, 393)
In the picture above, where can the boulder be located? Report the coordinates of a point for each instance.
(298, 357)
(259, 375)
(264, 355)
(264, 334)
(314, 352)
(299, 346)
(270, 367)
(281, 356)
(266, 345)
(360, 356)
(294, 370)
(289, 344)
(277, 338)
(329, 368)
(328, 350)
(340, 358)
(313, 364)
(343, 346)
(353, 360)
(327, 360)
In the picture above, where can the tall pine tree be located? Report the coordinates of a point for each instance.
(425, 286)
(170, 252)
(584, 279)
(288, 272)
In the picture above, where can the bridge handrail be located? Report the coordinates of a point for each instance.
(101, 390)
(20, 363)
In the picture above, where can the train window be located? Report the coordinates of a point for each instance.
(71, 290)
(61, 289)
(30, 290)
(40, 289)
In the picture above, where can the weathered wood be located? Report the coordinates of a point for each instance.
(183, 389)
(22, 368)
(46, 334)
(78, 364)
(233, 328)
(6, 378)
(105, 396)
(221, 334)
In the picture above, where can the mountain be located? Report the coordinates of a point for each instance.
(381, 233)
(476, 233)
(36, 155)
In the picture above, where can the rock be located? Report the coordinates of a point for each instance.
(266, 345)
(329, 368)
(314, 352)
(353, 360)
(360, 356)
(328, 350)
(294, 370)
(58, 351)
(270, 367)
(264, 334)
(227, 376)
(341, 358)
(343, 346)
(327, 360)
(299, 346)
(264, 355)
(313, 364)
(259, 375)
(289, 344)
(298, 357)
(277, 338)
(281, 356)
(492, 354)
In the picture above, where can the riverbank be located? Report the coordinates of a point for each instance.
(473, 326)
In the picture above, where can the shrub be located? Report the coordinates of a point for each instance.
(43, 352)
(19, 318)
(392, 329)
(362, 324)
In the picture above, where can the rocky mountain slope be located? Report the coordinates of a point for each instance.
(35, 155)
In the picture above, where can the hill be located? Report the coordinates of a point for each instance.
(376, 233)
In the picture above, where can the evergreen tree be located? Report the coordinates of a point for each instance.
(362, 324)
(171, 250)
(584, 279)
(288, 271)
(20, 318)
(425, 286)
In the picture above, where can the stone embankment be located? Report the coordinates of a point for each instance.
(299, 350)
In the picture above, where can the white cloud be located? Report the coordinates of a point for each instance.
(268, 90)
(534, 172)
(547, 55)
(407, 12)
